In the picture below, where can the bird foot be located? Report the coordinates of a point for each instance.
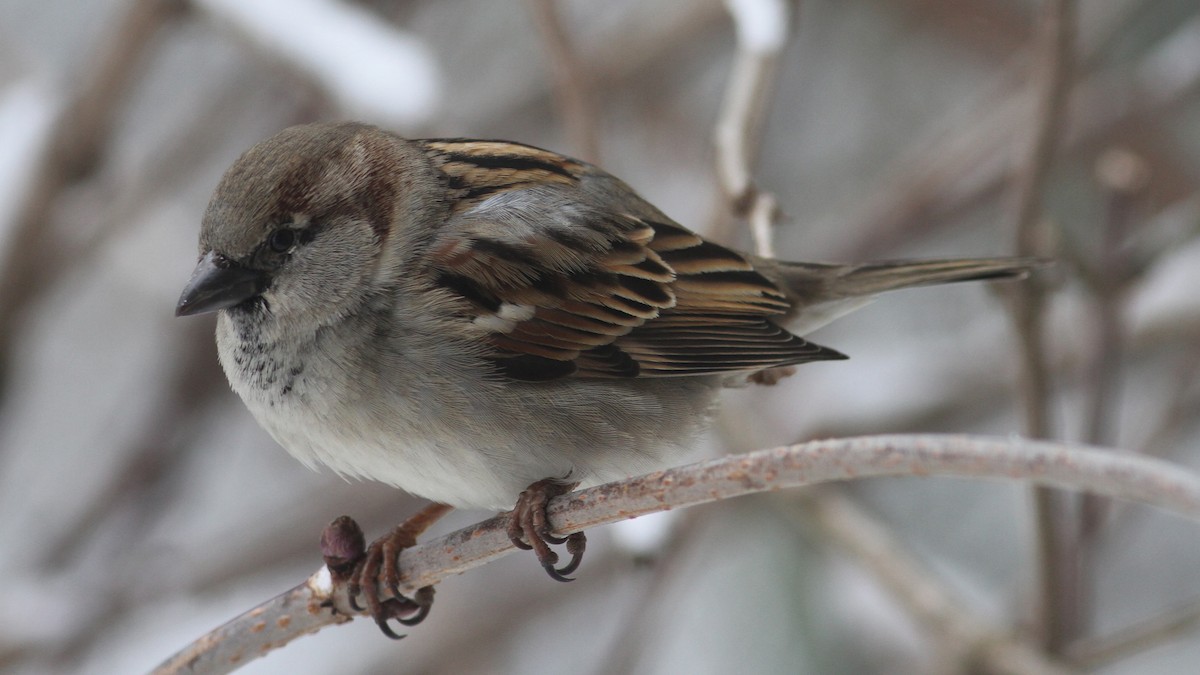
(366, 568)
(529, 529)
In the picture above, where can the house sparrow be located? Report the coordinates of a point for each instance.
(476, 320)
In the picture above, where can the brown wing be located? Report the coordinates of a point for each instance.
(561, 284)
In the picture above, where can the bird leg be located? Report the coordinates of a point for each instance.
(529, 529)
(365, 568)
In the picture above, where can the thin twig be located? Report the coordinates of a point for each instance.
(572, 82)
(638, 54)
(978, 646)
(310, 606)
(1058, 22)
(1181, 410)
(32, 257)
(1183, 406)
(936, 181)
(762, 31)
(633, 642)
(1057, 613)
(1124, 176)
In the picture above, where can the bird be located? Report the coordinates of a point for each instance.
(483, 323)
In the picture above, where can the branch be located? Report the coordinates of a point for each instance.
(762, 31)
(33, 255)
(977, 645)
(572, 82)
(1058, 595)
(961, 160)
(310, 606)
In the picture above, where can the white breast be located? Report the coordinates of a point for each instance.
(452, 434)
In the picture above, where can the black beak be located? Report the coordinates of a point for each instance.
(218, 283)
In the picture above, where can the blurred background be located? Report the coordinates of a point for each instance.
(140, 505)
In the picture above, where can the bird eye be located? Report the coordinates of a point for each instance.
(282, 240)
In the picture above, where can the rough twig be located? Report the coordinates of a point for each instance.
(572, 82)
(311, 605)
(762, 31)
(33, 255)
(938, 180)
(1110, 279)
(977, 646)
(1057, 613)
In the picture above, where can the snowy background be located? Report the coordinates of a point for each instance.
(140, 505)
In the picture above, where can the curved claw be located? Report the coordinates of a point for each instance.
(419, 616)
(353, 591)
(576, 543)
(382, 622)
(557, 574)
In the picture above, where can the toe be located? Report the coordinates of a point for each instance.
(529, 528)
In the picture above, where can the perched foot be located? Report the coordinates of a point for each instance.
(530, 530)
(365, 568)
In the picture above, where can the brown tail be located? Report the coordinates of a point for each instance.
(816, 282)
(822, 292)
